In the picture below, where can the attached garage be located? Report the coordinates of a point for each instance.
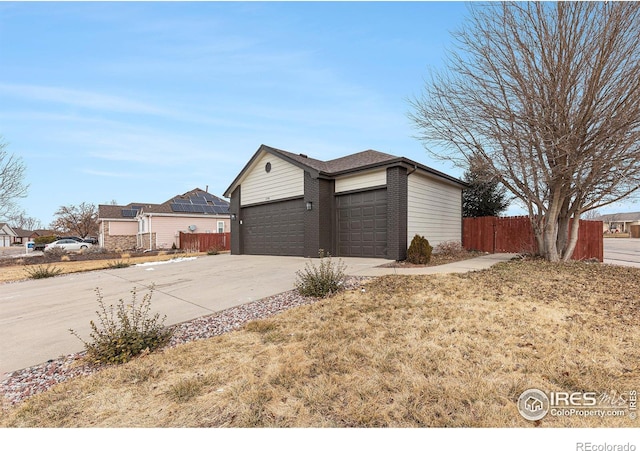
(362, 224)
(361, 205)
(274, 229)
(7, 235)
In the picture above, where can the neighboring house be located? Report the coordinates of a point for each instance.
(158, 226)
(22, 236)
(619, 222)
(369, 204)
(7, 235)
(42, 232)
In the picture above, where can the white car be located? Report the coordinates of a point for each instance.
(68, 245)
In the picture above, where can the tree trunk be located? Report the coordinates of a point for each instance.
(563, 234)
(573, 238)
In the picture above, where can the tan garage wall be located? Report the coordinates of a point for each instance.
(283, 181)
(434, 210)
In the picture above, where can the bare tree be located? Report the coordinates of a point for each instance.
(548, 95)
(81, 220)
(12, 186)
(21, 220)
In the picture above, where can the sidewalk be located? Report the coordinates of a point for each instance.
(473, 264)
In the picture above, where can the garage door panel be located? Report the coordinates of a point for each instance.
(362, 224)
(274, 229)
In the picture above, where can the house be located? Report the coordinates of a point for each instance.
(369, 204)
(158, 226)
(41, 232)
(7, 235)
(619, 222)
(22, 235)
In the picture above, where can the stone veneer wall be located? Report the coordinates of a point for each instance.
(119, 242)
(145, 241)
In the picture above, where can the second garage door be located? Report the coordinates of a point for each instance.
(362, 224)
(274, 229)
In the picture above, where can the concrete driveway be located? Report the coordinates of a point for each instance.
(35, 315)
(622, 251)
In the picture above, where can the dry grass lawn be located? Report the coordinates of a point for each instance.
(18, 272)
(414, 351)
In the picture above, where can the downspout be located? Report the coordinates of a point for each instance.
(150, 235)
(415, 168)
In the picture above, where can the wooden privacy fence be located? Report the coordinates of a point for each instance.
(204, 242)
(515, 235)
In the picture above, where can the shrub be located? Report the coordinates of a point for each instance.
(95, 250)
(42, 272)
(419, 252)
(323, 280)
(125, 331)
(213, 251)
(449, 249)
(55, 252)
(118, 264)
(44, 239)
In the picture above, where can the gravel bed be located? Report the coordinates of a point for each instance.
(20, 385)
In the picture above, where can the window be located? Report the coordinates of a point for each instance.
(220, 226)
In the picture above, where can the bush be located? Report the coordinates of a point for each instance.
(419, 252)
(55, 252)
(213, 251)
(449, 249)
(44, 239)
(125, 331)
(116, 264)
(323, 280)
(42, 272)
(95, 250)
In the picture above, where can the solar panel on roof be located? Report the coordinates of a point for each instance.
(177, 207)
(181, 201)
(198, 200)
(129, 213)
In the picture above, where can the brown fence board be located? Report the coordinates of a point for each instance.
(204, 242)
(515, 235)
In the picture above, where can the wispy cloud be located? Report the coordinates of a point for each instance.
(79, 98)
(118, 175)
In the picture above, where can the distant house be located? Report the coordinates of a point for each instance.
(7, 235)
(157, 226)
(22, 235)
(619, 222)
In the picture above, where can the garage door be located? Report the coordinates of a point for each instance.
(362, 224)
(274, 229)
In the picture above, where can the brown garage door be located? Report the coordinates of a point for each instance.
(362, 224)
(274, 229)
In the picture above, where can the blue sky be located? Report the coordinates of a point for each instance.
(138, 102)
